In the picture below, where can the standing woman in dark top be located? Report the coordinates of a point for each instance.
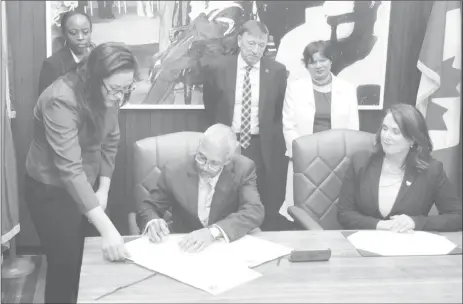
(76, 28)
(316, 102)
(76, 136)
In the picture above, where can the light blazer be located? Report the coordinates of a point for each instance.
(299, 108)
(235, 207)
(358, 200)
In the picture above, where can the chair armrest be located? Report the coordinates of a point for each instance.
(133, 227)
(303, 219)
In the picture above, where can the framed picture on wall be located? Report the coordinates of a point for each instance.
(145, 26)
(358, 32)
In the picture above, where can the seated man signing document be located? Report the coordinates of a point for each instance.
(213, 194)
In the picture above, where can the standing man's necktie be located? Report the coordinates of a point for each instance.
(245, 132)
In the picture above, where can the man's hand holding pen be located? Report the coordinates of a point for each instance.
(197, 240)
(157, 229)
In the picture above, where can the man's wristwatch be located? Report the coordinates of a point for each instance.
(215, 232)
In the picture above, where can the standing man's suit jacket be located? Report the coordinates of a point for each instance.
(358, 200)
(235, 207)
(219, 101)
(54, 66)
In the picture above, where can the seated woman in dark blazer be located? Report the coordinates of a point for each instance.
(394, 186)
(77, 31)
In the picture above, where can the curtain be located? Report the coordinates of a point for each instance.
(9, 191)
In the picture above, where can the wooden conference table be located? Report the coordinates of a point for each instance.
(346, 277)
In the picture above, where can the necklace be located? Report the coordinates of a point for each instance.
(387, 167)
(382, 185)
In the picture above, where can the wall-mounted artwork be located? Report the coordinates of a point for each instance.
(145, 26)
(358, 32)
(172, 40)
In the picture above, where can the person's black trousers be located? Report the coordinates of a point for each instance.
(61, 229)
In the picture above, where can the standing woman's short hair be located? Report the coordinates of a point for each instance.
(320, 46)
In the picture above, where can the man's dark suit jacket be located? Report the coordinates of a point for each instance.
(219, 100)
(235, 207)
(358, 201)
(54, 66)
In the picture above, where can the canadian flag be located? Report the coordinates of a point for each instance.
(439, 93)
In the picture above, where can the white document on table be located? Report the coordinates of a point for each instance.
(387, 243)
(204, 270)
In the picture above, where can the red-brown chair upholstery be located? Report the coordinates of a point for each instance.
(320, 161)
(150, 154)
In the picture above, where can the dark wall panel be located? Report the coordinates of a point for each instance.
(26, 34)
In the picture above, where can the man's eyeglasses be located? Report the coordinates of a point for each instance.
(200, 159)
(119, 92)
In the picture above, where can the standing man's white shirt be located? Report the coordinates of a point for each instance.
(254, 77)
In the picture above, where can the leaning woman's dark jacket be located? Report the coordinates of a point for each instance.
(358, 201)
(66, 151)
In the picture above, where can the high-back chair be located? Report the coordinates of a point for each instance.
(150, 155)
(320, 162)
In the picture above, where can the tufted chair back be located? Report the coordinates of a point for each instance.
(320, 162)
(150, 155)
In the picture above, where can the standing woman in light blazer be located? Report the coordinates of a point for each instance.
(316, 103)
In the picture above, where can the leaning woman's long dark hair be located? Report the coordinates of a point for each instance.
(103, 61)
(413, 127)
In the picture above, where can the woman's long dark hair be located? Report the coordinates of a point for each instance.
(413, 126)
(103, 61)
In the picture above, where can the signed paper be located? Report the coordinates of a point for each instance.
(217, 268)
(201, 270)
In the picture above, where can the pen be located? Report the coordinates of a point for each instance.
(169, 226)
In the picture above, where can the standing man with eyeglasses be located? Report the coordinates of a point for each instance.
(213, 194)
(246, 92)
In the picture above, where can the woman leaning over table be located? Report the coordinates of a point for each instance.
(75, 142)
(315, 103)
(394, 186)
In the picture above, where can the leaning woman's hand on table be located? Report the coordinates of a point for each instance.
(113, 247)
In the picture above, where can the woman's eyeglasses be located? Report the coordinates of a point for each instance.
(200, 159)
(120, 92)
